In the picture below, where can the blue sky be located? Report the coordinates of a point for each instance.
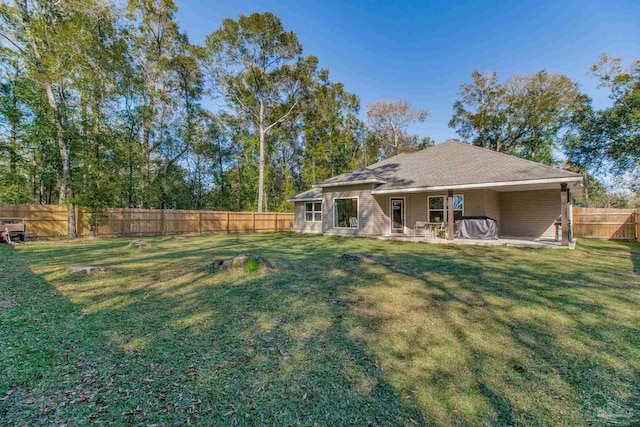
(422, 51)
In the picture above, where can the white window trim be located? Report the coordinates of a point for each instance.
(446, 206)
(333, 220)
(312, 211)
(404, 214)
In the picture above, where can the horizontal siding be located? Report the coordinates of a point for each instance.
(530, 213)
(416, 206)
(300, 225)
(492, 206)
(372, 219)
(522, 213)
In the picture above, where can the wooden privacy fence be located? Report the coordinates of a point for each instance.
(51, 221)
(612, 224)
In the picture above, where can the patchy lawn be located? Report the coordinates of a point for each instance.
(423, 335)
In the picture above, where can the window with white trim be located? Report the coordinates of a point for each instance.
(313, 212)
(437, 206)
(345, 213)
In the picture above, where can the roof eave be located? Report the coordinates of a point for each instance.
(346, 183)
(316, 199)
(477, 185)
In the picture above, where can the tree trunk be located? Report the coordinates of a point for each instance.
(261, 161)
(586, 189)
(66, 191)
(13, 146)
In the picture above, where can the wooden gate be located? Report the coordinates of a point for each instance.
(603, 223)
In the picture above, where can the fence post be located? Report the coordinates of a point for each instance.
(78, 221)
(276, 223)
(122, 223)
(200, 222)
(227, 222)
(162, 222)
(253, 221)
(637, 218)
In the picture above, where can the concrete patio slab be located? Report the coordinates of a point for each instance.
(513, 241)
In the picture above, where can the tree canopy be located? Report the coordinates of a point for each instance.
(524, 116)
(609, 140)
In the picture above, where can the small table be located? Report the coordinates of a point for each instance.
(437, 230)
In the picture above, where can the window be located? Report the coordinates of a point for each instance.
(438, 208)
(345, 213)
(313, 212)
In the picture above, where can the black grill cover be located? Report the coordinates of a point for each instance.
(477, 227)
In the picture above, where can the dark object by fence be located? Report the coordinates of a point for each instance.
(12, 228)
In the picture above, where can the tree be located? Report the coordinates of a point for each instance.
(389, 122)
(53, 41)
(101, 106)
(526, 116)
(610, 139)
(261, 72)
(332, 133)
(156, 43)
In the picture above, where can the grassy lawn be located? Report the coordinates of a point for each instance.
(424, 335)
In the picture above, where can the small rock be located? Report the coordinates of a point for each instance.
(137, 244)
(356, 257)
(518, 368)
(89, 269)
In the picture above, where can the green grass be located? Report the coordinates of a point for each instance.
(424, 335)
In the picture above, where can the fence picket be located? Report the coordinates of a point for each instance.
(606, 223)
(51, 221)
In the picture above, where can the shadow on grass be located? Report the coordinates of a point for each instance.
(218, 349)
(424, 335)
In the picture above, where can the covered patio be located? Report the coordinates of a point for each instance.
(511, 241)
(533, 213)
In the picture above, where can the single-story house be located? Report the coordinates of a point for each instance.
(438, 186)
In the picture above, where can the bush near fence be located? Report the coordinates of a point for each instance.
(602, 223)
(45, 221)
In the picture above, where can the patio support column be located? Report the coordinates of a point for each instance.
(564, 204)
(450, 224)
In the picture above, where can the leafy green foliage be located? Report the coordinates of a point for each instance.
(526, 116)
(610, 139)
(251, 265)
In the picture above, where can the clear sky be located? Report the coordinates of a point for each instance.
(422, 51)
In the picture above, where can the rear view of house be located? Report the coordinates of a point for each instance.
(439, 187)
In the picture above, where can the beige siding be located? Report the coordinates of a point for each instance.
(372, 219)
(416, 206)
(522, 213)
(530, 213)
(300, 225)
(492, 206)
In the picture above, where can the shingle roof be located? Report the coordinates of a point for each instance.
(450, 163)
(307, 196)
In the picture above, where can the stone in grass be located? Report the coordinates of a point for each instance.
(246, 261)
(88, 269)
(137, 244)
(356, 257)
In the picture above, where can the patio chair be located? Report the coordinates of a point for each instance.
(441, 231)
(353, 222)
(421, 225)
